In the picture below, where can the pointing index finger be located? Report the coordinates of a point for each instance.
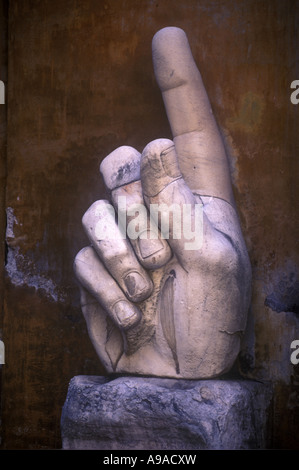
(202, 158)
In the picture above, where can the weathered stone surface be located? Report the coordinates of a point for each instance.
(165, 414)
(172, 317)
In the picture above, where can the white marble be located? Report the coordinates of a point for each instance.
(161, 303)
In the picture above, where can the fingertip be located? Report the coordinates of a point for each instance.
(126, 314)
(157, 146)
(86, 267)
(120, 167)
(81, 258)
(169, 32)
(159, 166)
(172, 58)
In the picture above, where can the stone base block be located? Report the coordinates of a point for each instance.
(165, 414)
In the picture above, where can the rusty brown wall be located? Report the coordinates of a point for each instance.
(3, 109)
(80, 84)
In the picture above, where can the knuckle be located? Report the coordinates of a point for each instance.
(224, 254)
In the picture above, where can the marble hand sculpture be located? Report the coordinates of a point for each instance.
(155, 301)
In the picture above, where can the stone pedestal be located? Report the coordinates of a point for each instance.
(165, 414)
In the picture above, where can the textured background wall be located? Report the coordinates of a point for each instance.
(3, 109)
(80, 84)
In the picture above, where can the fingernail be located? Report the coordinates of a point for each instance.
(149, 244)
(128, 315)
(170, 162)
(138, 288)
(159, 166)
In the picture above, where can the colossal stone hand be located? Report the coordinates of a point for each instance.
(175, 307)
